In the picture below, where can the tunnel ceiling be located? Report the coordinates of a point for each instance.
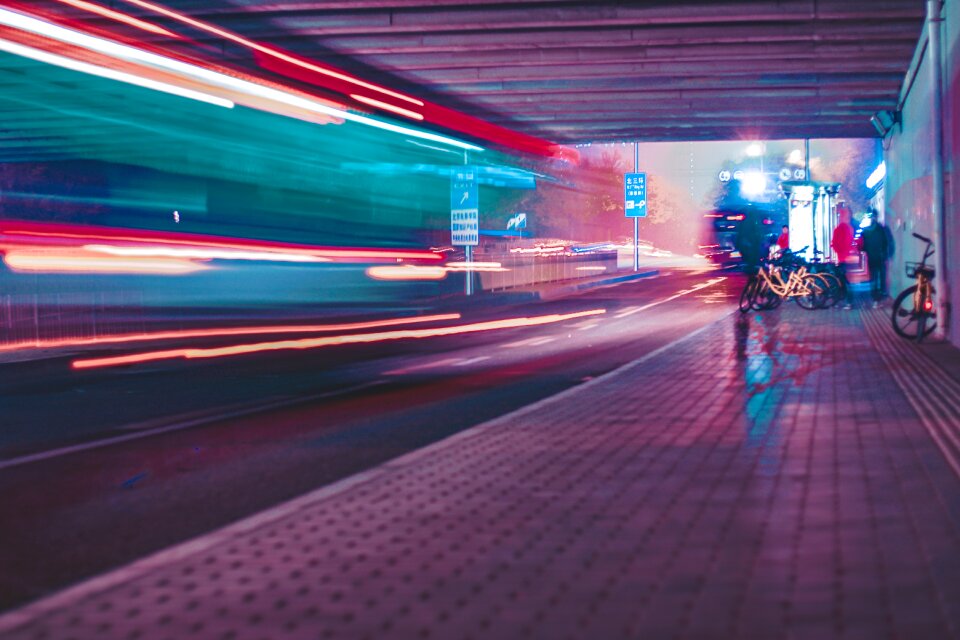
(599, 71)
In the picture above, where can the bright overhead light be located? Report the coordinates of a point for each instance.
(110, 74)
(753, 183)
(755, 149)
(132, 54)
(878, 174)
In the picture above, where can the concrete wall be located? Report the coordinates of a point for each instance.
(909, 158)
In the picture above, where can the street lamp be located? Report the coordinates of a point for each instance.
(754, 183)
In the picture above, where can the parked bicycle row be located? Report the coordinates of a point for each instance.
(813, 284)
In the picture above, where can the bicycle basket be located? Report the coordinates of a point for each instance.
(916, 268)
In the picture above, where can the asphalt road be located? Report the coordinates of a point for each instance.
(100, 467)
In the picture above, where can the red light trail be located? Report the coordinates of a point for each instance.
(57, 248)
(316, 343)
(184, 334)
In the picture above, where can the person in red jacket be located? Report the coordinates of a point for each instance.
(842, 243)
(783, 241)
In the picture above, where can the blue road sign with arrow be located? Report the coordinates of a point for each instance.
(635, 195)
(464, 207)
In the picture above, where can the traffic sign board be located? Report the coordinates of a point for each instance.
(635, 195)
(464, 207)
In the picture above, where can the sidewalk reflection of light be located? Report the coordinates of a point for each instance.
(184, 334)
(315, 343)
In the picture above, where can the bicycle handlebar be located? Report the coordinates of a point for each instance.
(924, 238)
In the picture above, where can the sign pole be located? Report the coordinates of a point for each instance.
(468, 284)
(465, 216)
(636, 221)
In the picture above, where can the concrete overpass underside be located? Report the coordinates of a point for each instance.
(607, 71)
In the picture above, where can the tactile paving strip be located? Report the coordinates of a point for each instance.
(765, 478)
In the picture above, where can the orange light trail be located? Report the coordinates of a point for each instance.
(413, 272)
(270, 51)
(65, 261)
(406, 272)
(315, 343)
(11, 231)
(155, 251)
(119, 17)
(387, 106)
(182, 334)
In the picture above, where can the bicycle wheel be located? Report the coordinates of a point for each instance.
(909, 322)
(764, 298)
(835, 290)
(748, 294)
(926, 317)
(816, 291)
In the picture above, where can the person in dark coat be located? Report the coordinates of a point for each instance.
(874, 241)
(750, 242)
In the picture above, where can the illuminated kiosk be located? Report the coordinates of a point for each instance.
(812, 215)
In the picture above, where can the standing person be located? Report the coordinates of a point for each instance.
(783, 240)
(842, 243)
(876, 245)
(749, 242)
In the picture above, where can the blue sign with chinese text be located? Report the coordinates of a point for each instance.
(464, 207)
(635, 195)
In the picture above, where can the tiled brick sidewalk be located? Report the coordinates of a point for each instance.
(766, 478)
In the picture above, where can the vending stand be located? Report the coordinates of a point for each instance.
(812, 215)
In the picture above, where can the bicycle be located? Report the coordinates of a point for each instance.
(915, 303)
(829, 272)
(825, 286)
(767, 288)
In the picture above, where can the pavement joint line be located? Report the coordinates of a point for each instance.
(921, 398)
(286, 401)
(138, 568)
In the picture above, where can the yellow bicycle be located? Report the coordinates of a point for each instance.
(768, 287)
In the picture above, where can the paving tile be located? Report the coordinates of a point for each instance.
(696, 494)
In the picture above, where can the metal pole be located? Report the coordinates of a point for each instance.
(636, 221)
(934, 20)
(468, 273)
